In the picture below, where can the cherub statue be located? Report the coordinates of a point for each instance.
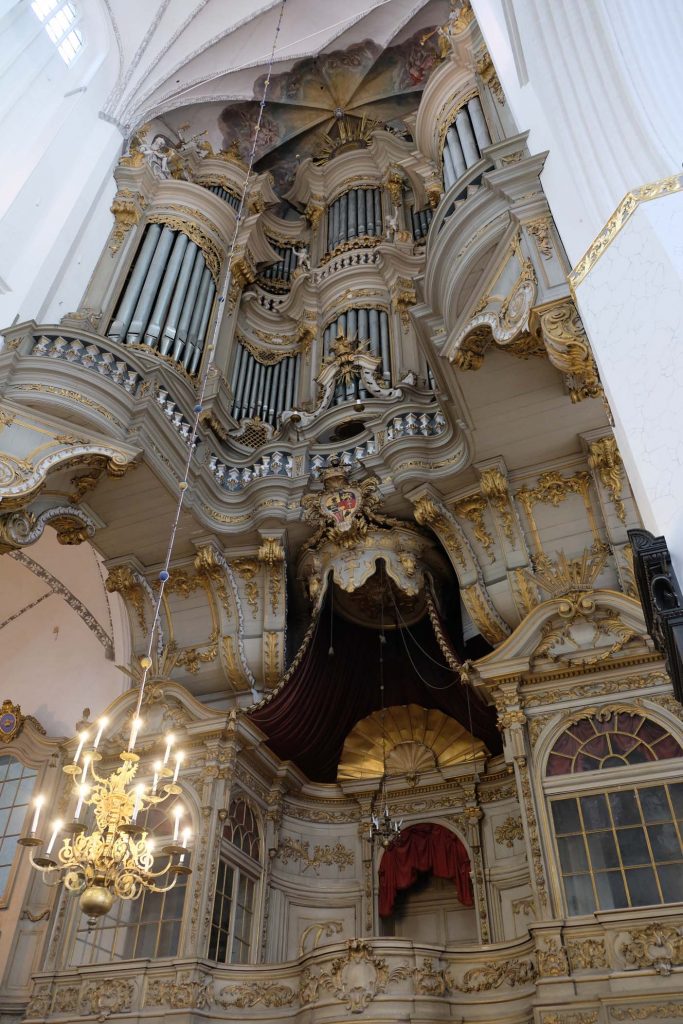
(303, 259)
(155, 152)
(392, 226)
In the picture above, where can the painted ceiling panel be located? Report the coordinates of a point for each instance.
(183, 53)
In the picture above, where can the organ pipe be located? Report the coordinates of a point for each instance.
(264, 390)
(355, 214)
(464, 141)
(168, 298)
(421, 219)
(367, 325)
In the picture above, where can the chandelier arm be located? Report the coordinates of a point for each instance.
(164, 888)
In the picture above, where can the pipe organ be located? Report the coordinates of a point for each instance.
(225, 195)
(465, 138)
(168, 298)
(279, 274)
(421, 219)
(370, 325)
(263, 389)
(355, 214)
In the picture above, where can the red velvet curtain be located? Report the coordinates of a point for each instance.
(423, 848)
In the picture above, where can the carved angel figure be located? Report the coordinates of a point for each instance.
(392, 226)
(155, 152)
(303, 259)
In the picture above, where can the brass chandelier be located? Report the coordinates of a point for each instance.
(116, 858)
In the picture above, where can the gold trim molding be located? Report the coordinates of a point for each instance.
(623, 213)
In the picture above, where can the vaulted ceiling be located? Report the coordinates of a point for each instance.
(205, 65)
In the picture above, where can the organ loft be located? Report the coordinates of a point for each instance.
(338, 597)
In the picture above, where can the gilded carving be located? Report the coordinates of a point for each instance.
(564, 637)
(649, 1011)
(271, 657)
(429, 982)
(509, 831)
(298, 850)
(597, 688)
(12, 721)
(657, 945)
(103, 998)
(526, 905)
(472, 509)
(604, 458)
(540, 229)
(212, 253)
(573, 1017)
(559, 327)
(324, 929)
(483, 615)
(488, 75)
(127, 207)
(587, 954)
(538, 871)
(494, 975)
(183, 994)
(354, 979)
(626, 208)
(494, 487)
(404, 296)
(122, 580)
(270, 994)
(552, 959)
(247, 569)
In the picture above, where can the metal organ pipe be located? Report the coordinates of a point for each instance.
(226, 196)
(124, 313)
(168, 299)
(421, 220)
(150, 286)
(171, 326)
(464, 141)
(481, 131)
(366, 324)
(265, 390)
(354, 214)
(166, 291)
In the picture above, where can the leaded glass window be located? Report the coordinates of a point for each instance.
(610, 740)
(16, 786)
(232, 922)
(620, 848)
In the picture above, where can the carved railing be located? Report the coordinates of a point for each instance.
(281, 463)
(348, 977)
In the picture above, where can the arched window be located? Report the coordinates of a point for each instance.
(620, 844)
(239, 869)
(16, 785)
(609, 740)
(146, 927)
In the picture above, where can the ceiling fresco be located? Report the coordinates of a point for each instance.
(365, 79)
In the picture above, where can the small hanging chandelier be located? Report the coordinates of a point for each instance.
(117, 857)
(384, 830)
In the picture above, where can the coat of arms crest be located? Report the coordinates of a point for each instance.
(343, 511)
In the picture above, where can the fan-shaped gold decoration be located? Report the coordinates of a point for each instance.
(417, 740)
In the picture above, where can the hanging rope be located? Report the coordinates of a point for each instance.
(146, 662)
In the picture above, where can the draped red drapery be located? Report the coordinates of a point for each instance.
(423, 848)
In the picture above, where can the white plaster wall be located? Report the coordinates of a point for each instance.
(632, 306)
(52, 663)
(598, 84)
(56, 178)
